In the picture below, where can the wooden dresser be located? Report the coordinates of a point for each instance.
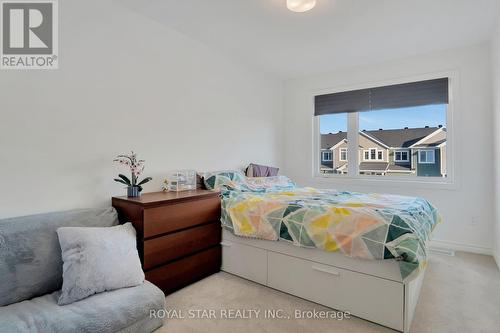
(178, 235)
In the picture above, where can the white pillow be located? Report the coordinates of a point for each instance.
(97, 260)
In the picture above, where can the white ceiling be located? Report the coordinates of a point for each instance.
(335, 34)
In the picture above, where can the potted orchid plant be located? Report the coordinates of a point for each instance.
(134, 186)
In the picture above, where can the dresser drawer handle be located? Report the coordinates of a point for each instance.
(325, 270)
(226, 243)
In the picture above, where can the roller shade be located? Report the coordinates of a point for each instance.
(388, 97)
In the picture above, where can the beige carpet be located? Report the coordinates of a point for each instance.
(460, 294)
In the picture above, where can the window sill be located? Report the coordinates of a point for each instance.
(366, 180)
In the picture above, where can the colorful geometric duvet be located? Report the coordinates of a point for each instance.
(366, 226)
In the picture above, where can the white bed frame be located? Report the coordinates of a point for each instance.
(372, 290)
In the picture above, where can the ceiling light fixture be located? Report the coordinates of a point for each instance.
(300, 6)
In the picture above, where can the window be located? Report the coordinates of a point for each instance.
(395, 131)
(426, 156)
(333, 128)
(343, 154)
(373, 154)
(327, 156)
(401, 156)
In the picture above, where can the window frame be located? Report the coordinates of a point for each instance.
(427, 151)
(407, 151)
(328, 152)
(340, 154)
(369, 151)
(451, 181)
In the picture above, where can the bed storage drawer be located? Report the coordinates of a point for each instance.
(245, 261)
(366, 296)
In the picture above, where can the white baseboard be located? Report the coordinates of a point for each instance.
(439, 250)
(454, 246)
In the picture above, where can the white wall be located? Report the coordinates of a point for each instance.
(126, 82)
(472, 197)
(495, 56)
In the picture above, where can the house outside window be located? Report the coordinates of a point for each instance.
(393, 136)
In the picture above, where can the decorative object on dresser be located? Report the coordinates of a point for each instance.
(134, 186)
(178, 235)
(180, 180)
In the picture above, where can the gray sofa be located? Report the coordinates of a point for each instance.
(31, 279)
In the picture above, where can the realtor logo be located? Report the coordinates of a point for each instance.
(29, 34)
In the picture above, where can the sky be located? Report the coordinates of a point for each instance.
(418, 116)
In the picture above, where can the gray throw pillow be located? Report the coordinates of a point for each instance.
(97, 260)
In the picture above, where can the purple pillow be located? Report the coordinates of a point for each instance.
(256, 170)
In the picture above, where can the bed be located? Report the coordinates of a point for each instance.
(361, 253)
